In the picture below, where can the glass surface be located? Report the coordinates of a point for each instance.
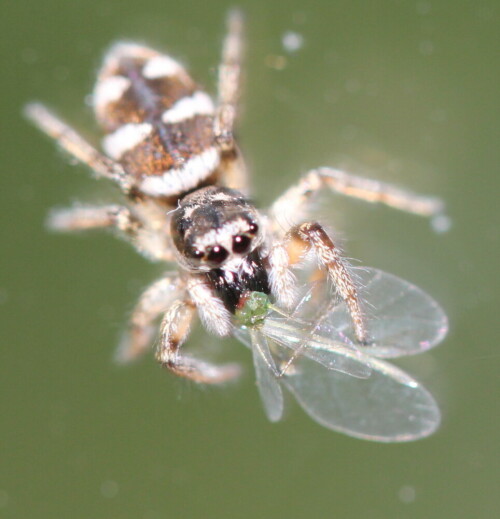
(403, 91)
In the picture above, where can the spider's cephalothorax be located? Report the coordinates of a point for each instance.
(171, 150)
(215, 227)
(217, 231)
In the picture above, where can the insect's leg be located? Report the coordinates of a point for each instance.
(232, 166)
(149, 242)
(174, 331)
(76, 145)
(311, 235)
(154, 301)
(294, 202)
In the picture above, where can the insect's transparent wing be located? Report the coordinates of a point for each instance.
(401, 319)
(387, 406)
(268, 384)
(295, 336)
(384, 404)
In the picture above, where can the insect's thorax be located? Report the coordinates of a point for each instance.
(159, 125)
(232, 287)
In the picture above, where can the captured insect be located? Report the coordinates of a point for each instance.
(274, 279)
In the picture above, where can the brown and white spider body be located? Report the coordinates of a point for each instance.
(171, 151)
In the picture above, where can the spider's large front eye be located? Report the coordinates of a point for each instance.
(217, 254)
(241, 244)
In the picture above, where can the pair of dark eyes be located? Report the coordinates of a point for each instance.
(217, 254)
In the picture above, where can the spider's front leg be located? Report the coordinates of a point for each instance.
(175, 328)
(297, 242)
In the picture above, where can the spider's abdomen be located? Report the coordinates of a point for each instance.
(159, 125)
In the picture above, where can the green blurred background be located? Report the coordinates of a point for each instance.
(405, 91)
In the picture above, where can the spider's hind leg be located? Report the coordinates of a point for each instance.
(73, 143)
(229, 81)
(229, 87)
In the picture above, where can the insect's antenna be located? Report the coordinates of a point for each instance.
(280, 311)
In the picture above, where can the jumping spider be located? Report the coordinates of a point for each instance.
(172, 153)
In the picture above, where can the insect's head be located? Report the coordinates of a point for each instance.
(215, 227)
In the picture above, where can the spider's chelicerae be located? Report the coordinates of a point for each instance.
(172, 152)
